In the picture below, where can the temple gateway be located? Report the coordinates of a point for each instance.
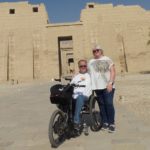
(33, 48)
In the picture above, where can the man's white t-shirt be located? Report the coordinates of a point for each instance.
(82, 79)
(100, 72)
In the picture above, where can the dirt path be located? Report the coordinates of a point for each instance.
(25, 111)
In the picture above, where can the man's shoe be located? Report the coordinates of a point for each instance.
(77, 126)
(111, 128)
(104, 126)
(77, 129)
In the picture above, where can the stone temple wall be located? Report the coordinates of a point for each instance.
(33, 48)
(122, 31)
(22, 40)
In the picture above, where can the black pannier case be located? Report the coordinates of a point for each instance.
(60, 94)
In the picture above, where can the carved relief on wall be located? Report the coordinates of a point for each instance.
(94, 37)
(118, 28)
(36, 55)
(122, 52)
(100, 18)
(140, 30)
(11, 56)
(135, 29)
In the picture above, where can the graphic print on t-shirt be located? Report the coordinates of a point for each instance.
(101, 66)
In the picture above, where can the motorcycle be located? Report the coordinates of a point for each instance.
(61, 126)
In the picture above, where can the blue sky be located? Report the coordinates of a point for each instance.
(69, 10)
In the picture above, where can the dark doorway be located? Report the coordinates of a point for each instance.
(66, 56)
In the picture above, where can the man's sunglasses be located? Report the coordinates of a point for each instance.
(82, 66)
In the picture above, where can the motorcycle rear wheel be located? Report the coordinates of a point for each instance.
(95, 115)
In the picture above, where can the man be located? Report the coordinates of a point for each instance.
(81, 94)
(102, 71)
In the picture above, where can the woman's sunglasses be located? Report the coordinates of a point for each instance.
(95, 51)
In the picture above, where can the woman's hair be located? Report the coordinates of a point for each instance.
(102, 52)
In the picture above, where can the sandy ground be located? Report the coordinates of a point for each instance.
(25, 111)
(133, 91)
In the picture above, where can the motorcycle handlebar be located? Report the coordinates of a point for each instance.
(59, 80)
(66, 78)
(69, 79)
(77, 85)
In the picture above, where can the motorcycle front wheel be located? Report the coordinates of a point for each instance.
(57, 128)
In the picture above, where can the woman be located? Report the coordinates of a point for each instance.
(102, 72)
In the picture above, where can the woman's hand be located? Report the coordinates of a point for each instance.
(109, 87)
